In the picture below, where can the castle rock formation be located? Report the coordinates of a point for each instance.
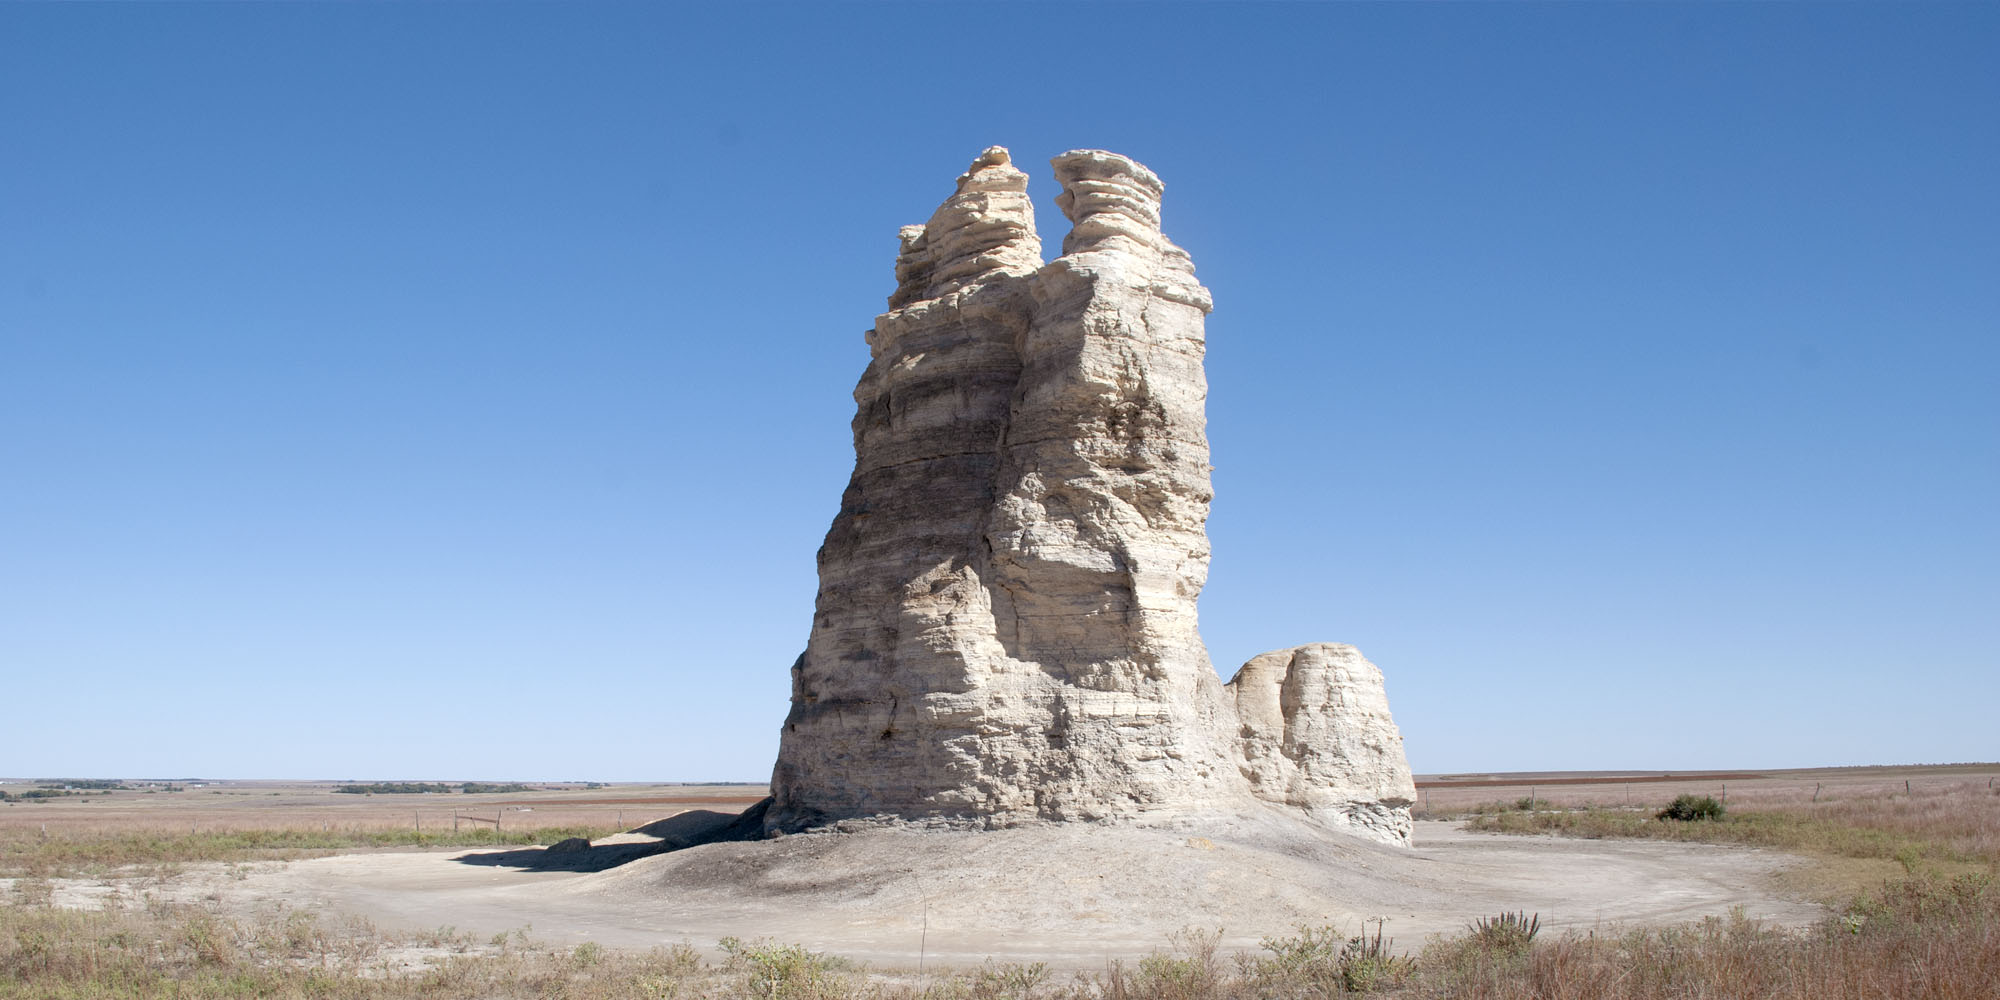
(1005, 627)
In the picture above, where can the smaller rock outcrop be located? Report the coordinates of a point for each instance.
(1316, 734)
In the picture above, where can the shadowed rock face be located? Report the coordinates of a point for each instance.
(1005, 629)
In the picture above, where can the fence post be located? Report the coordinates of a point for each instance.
(1815, 791)
(1906, 786)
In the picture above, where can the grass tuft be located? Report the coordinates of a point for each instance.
(1511, 933)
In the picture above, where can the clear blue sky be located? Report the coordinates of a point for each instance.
(462, 391)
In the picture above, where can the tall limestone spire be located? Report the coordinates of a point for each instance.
(1005, 631)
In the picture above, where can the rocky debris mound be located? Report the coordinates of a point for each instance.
(1005, 630)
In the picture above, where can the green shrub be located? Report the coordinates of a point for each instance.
(1190, 972)
(1508, 933)
(1687, 808)
(1367, 963)
(1012, 981)
(788, 971)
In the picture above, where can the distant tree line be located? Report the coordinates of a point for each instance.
(428, 787)
(46, 793)
(66, 787)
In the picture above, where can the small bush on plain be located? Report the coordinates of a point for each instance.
(1688, 808)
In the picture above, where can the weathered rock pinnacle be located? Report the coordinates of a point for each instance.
(1005, 628)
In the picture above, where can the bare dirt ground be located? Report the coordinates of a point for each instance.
(1071, 897)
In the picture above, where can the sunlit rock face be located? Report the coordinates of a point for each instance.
(1316, 735)
(1005, 629)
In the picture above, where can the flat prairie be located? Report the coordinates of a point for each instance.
(223, 805)
(1450, 794)
(240, 806)
(1072, 897)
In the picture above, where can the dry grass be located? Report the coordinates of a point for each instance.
(255, 821)
(1950, 823)
(1916, 939)
(241, 806)
(27, 853)
(1445, 796)
(190, 952)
